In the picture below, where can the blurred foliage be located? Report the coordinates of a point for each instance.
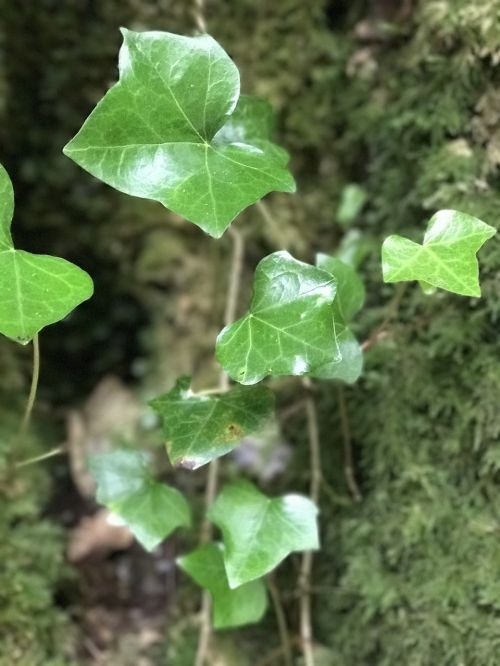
(33, 631)
(400, 97)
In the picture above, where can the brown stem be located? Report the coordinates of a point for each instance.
(233, 289)
(199, 15)
(286, 647)
(346, 436)
(306, 634)
(392, 308)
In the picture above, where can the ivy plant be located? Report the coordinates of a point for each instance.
(176, 130)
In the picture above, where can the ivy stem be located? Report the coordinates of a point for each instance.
(23, 428)
(198, 14)
(233, 290)
(286, 647)
(390, 313)
(306, 634)
(44, 456)
(349, 476)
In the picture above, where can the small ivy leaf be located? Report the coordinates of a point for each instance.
(447, 258)
(199, 429)
(231, 608)
(259, 531)
(289, 329)
(37, 290)
(351, 204)
(348, 301)
(125, 485)
(159, 132)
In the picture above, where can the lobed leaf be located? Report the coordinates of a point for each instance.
(447, 258)
(125, 485)
(289, 329)
(37, 290)
(259, 531)
(231, 608)
(170, 130)
(199, 429)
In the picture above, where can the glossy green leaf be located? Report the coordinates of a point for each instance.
(159, 132)
(348, 301)
(259, 531)
(37, 290)
(289, 329)
(201, 428)
(125, 485)
(447, 258)
(231, 608)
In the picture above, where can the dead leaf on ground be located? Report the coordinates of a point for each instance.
(96, 536)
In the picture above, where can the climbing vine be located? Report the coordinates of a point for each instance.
(176, 130)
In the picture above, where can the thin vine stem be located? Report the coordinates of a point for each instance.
(28, 411)
(306, 634)
(233, 290)
(349, 475)
(286, 647)
(44, 456)
(199, 15)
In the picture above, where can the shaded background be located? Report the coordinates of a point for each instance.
(402, 98)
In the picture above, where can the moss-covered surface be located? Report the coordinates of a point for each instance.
(400, 97)
(34, 631)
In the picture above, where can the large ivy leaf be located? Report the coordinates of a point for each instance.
(259, 531)
(37, 290)
(289, 329)
(159, 132)
(125, 485)
(231, 608)
(201, 428)
(447, 258)
(348, 301)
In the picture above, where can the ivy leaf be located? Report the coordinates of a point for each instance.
(289, 329)
(348, 301)
(351, 204)
(259, 532)
(125, 485)
(201, 428)
(37, 290)
(447, 258)
(159, 132)
(231, 608)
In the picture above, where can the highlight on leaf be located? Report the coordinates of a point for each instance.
(175, 129)
(200, 428)
(231, 607)
(289, 328)
(125, 485)
(259, 531)
(447, 257)
(37, 290)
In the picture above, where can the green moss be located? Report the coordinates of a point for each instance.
(33, 630)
